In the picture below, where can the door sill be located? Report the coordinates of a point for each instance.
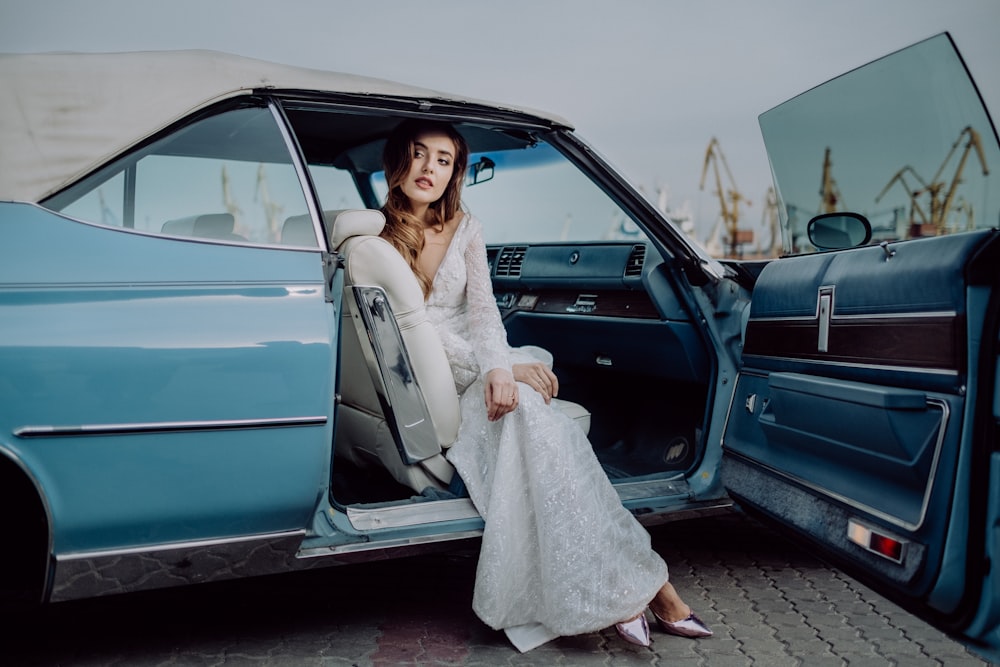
(408, 514)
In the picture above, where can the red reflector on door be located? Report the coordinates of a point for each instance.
(879, 543)
(887, 546)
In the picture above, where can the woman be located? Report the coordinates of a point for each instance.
(560, 555)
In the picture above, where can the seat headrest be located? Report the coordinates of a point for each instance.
(342, 225)
(205, 225)
(214, 225)
(298, 230)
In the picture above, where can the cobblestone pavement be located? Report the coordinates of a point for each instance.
(768, 602)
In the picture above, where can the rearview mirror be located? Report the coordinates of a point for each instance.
(481, 171)
(836, 231)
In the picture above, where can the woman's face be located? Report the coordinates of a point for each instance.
(431, 167)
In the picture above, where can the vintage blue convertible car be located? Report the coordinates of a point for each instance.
(210, 368)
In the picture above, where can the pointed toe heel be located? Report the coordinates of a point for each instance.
(635, 631)
(692, 627)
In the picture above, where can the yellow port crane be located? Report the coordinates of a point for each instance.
(227, 199)
(729, 200)
(769, 221)
(830, 198)
(940, 195)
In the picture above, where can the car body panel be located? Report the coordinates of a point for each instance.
(180, 351)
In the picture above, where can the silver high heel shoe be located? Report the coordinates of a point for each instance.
(635, 631)
(692, 626)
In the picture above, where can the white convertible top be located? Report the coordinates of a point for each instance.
(61, 114)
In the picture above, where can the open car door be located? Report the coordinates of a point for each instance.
(864, 419)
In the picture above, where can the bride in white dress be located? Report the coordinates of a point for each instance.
(560, 555)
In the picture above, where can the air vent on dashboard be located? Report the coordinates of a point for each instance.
(509, 261)
(633, 267)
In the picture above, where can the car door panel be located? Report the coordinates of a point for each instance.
(852, 409)
(894, 311)
(193, 382)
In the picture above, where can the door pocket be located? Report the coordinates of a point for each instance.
(876, 445)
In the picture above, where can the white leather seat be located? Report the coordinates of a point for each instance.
(207, 225)
(413, 384)
(298, 230)
(399, 408)
(574, 411)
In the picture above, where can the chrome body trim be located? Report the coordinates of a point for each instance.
(37, 431)
(653, 488)
(173, 546)
(411, 514)
(392, 374)
(863, 316)
(380, 545)
(853, 364)
(301, 170)
(824, 312)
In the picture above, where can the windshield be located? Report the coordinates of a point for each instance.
(536, 195)
(904, 141)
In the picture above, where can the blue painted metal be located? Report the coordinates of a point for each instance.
(103, 326)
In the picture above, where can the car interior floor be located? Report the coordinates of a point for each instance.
(640, 426)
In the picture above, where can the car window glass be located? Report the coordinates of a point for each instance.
(537, 195)
(335, 188)
(225, 177)
(904, 141)
(104, 204)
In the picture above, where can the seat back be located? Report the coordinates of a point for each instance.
(206, 226)
(298, 230)
(399, 406)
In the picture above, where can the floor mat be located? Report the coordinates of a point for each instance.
(645, 456)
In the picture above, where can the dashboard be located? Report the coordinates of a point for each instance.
(601, 305)
(598, 279)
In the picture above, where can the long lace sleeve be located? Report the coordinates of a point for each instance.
(485, 326)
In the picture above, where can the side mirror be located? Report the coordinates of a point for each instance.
(836, 231)
(480, 172)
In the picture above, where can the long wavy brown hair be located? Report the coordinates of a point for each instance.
(403, 229)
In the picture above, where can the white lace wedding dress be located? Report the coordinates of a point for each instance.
(560, 555)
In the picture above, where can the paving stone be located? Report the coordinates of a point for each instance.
(800, 632)
(766, 660)
(868, 661)
(769, 604)
(761, 647)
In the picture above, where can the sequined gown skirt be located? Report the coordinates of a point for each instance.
(560, 555)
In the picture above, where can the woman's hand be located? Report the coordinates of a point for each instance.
(501, 393)
(538, 376)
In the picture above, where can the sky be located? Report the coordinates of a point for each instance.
(648, 83)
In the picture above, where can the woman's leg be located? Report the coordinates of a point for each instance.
(668, 605)
(674, 616)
